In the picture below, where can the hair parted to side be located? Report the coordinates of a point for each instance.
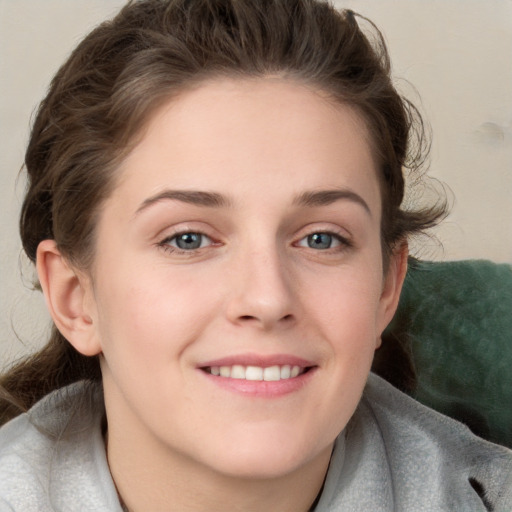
(100, 99)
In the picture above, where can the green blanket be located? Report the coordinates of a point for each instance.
(450, 343)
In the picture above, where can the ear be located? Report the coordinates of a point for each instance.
(393, 281)
(67, 295)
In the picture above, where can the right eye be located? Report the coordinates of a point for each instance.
(188, 241)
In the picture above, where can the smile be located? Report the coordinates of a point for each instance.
(257, 373)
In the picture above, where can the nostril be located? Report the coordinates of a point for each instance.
(251, 317)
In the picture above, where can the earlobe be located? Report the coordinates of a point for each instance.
(65, 293)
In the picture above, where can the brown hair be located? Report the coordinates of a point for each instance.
(153, 49)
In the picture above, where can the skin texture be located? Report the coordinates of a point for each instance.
(258, 289)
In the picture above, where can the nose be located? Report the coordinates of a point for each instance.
(262, 290)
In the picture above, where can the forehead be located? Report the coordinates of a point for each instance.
(230, 133)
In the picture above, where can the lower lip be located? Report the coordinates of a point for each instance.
(262, 388)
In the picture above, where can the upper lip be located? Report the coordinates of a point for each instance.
(260, 360)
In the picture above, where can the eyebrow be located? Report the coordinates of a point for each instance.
(195, 197)
(327, 197)
(216, 200)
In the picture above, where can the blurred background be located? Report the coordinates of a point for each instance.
(452, 58)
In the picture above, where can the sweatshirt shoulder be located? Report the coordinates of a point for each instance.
(439, 449)
(53, 457)
(25, 453)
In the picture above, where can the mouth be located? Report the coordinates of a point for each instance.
(272, 373)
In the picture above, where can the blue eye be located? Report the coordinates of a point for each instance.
(189, 241)
(321, 241)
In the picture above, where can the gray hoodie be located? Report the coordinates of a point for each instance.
(394, 455)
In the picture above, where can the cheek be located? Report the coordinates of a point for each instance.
(346, 309)
(152, 314)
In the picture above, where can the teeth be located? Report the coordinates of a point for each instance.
(270, 373)
(286, 371)
(254, 373)
(225, 371)
(237, 372)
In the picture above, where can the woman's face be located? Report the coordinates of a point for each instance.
(238, 292)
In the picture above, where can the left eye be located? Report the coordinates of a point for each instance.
(320, 241)
(188, 241)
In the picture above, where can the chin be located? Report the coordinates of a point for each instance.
(267, 457)
(257, 468)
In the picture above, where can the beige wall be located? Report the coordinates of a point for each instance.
(457, 53)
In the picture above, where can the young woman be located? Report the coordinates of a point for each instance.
(214, 213)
